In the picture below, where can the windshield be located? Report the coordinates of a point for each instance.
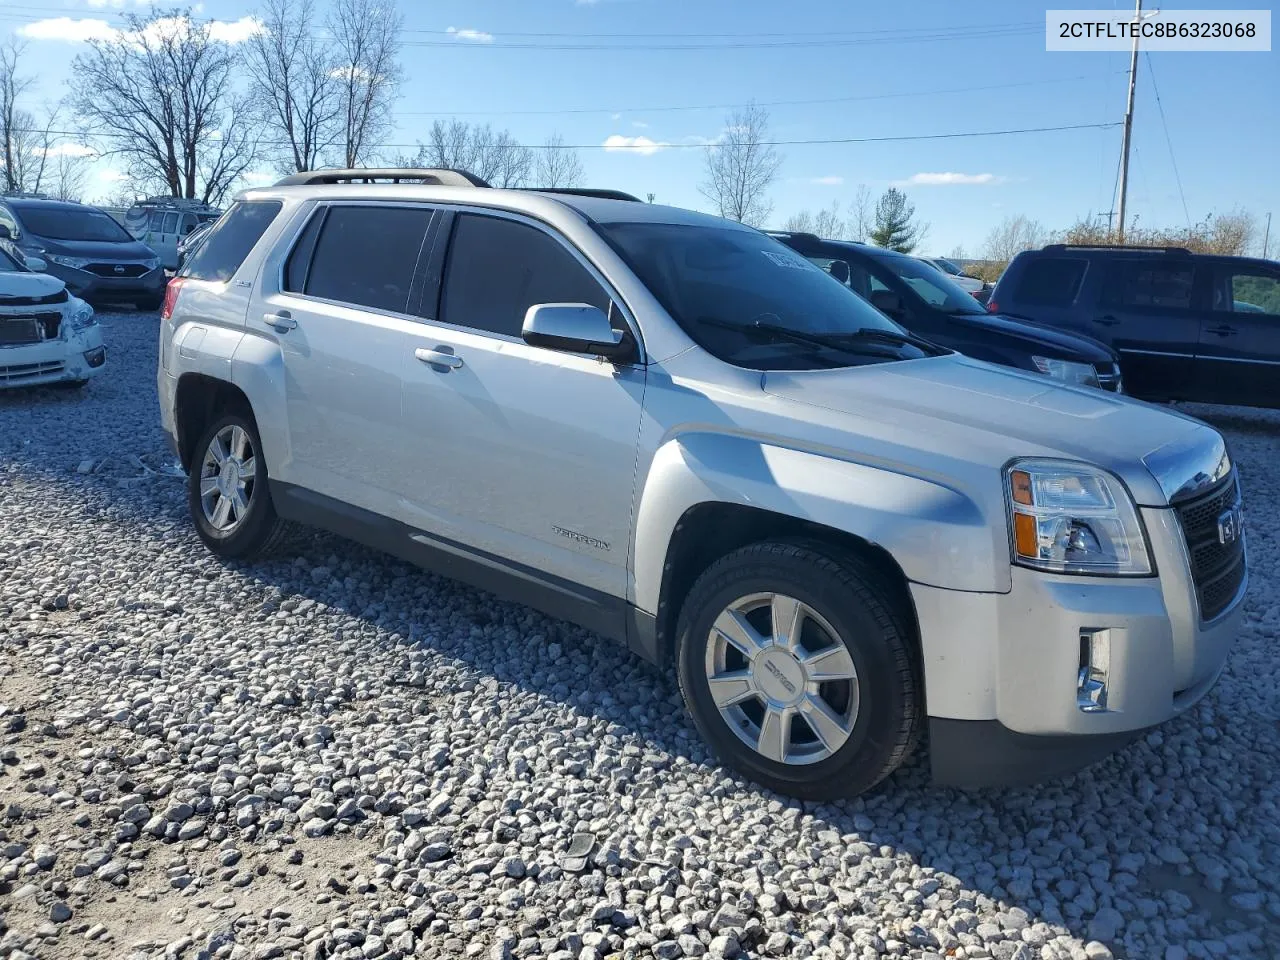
(932, 285)
(69, 223)
(731, 290)
(946, 266)
(8, 264)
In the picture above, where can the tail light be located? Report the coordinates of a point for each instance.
(171, 292)
(993, 307)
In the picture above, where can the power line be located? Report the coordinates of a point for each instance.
(1167, 139)
(649, 146)
(668, 108)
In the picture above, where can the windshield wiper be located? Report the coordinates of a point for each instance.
(827, 341)
(895, 337)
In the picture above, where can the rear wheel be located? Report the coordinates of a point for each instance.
(227, 491)
(800, 670)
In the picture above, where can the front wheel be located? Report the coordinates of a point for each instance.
(800, 669)
(227, 491)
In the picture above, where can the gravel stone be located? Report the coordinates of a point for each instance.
(333, 755)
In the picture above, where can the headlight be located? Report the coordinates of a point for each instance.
(1072, 518)
(151, 263)
(82, 317)
(73, 262)
(1077, 374)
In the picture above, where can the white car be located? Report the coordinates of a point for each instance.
(965, 282)
(47, 336)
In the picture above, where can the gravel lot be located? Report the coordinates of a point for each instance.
(334, 755)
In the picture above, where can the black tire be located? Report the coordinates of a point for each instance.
(869, 621)
(260, 530)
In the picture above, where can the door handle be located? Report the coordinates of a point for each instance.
(1223, 331)
(439, 357)
(1106, 320)
(281, 320)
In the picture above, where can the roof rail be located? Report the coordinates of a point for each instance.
(800, 235)
(1059, 247)
(434, 176)
(588, 192)
(25, 195)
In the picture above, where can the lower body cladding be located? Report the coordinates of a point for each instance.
(74, 358)
(1063, 670)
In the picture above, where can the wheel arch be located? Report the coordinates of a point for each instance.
(198, 400)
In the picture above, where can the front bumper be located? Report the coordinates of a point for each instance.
(80, 356)
(90, 286)
(1003, 671)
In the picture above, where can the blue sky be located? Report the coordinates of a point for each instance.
(1222, 108)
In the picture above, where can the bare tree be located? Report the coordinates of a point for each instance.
(741, 166)
(367, 41)
(957, 253)
(294, 76)
(68, 173)
(801, 222)
(161, 94)
(27, 141)
(829, 223)
(861, 216)
(1012, 236)
(494, 156)
(558, 165)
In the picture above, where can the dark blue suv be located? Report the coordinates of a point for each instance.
(1197, 327)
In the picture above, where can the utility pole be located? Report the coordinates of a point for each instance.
(1128, 123)
(1266, 237)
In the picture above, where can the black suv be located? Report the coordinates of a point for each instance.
(86, 249)
(929, 303)
(1187, 326)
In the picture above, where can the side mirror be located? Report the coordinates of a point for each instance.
(887, 302)
(35, 264)
(576, 328)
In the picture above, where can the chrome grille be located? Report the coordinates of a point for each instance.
(18, 372)
(117, 269)
(1217, 568)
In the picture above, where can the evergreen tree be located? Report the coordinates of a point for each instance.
(894, 228)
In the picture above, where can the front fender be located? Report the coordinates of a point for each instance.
(939, 536)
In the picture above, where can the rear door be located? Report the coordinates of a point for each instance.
(1239, 355)
(340, 312)
(1148, 308)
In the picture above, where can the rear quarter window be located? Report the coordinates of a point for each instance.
(1050, 282)
(231, 239)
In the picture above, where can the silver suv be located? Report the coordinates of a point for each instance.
(675, 431)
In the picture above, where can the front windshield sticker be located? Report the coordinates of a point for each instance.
(784, 260)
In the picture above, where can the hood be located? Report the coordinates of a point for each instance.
(108, 250)
(1058, 344)
(26, 287)
(968, 412)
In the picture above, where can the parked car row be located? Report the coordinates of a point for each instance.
(696, 440)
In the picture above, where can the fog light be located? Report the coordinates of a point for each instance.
(96, 357)
(1095, 663)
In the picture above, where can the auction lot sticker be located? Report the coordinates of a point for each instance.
(1205, 30)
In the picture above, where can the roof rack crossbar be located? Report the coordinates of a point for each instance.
(1059, 247)
(433, 176)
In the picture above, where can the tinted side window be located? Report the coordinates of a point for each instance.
(367, 255)
(498, 269)
(296, 268)
(1149, 283)
(1049, 282)
(230, 240)
(170, 223)
(1248, 291)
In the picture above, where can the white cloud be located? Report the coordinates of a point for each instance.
(831, 181)
(117, 4)
(474, 36)
(113, 176)
(639, 124)
(949, 179)
(68, 150)
(641, 145)
(80, 30)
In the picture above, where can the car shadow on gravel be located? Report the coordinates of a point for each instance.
(1061, 854)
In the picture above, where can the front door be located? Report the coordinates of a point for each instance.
(1148, 310)
(520, 451)
(1239, 356)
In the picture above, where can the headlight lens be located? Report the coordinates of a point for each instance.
(73, 262)
(1073, 518)
(1078, 374)
(151, 263)
(82, 317)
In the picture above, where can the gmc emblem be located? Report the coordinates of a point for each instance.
(1230, 526)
